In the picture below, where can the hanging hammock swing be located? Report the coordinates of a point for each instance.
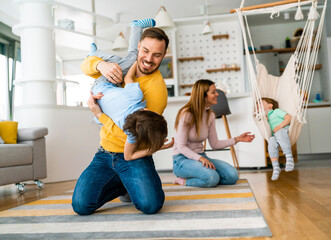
(292, 89)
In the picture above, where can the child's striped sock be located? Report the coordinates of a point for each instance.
(144, 23)
(93, 48)
(276, 170)
(289, 163)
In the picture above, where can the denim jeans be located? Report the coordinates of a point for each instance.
(281, 139)
(124, 62)
(197, 175)
(110, 176)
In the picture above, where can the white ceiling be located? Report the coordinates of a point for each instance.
(123, 12)
(127, 10)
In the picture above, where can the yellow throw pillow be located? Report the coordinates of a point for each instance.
(8, 131)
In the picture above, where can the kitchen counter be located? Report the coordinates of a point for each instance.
(186, 98)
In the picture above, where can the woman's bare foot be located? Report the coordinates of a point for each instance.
(180, 181)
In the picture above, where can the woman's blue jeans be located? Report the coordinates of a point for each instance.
(110, 176)
(197, 175)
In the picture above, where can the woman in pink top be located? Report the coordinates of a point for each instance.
(195, 122)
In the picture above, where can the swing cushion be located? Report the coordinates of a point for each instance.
(284, 90)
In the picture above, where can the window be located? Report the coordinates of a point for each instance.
(73, 87)
(166, 68)
(9, 70)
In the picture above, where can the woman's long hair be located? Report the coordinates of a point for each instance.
(196, 105)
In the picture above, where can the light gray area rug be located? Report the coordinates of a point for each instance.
(188, 213)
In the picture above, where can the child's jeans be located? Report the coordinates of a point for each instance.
(126, 62)
(281, 139)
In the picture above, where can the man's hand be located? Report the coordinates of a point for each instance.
(168, 145)
(94, 106)
(112, 71)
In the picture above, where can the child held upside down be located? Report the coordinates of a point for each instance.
(279, 122)
(145, 130)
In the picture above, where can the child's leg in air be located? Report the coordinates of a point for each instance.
(273, 150)
(284, 141)
(103, 55)
(137, 27)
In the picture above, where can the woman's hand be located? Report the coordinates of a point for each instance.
(168, 145)
(206, 163)
(94, 106)
(112, 71)
(245, 137)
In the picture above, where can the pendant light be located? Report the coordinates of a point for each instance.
(207, 29)
(162, 19)
(120, 43)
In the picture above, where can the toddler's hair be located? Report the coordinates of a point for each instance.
(271, 101)
(149, 129)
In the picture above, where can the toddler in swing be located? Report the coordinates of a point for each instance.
(279, 122)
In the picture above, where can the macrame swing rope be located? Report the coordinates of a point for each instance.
(292, 89)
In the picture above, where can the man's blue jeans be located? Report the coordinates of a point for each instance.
(110, 176)
(197, 175)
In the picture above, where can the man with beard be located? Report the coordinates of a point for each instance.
(109, 175)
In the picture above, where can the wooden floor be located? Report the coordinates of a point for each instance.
(297, 206)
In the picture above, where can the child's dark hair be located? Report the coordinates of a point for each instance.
(157, 33)
(271, 101)
(149, 129)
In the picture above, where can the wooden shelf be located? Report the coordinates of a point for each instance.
(186, 85)
(265, 5)
(317, 67)
(223, 69)
(220, 36)
(279, 50)
(191, 59)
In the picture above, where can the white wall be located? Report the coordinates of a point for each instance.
(72, 140)
(328, 20)
(328, 43)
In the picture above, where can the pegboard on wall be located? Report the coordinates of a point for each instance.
(211, 54)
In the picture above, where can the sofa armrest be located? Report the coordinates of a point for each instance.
(26, 134)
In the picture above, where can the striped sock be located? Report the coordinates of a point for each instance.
(289, 163)
(144, 23)
(276, 170)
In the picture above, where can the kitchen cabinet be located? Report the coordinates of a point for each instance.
(315, 136)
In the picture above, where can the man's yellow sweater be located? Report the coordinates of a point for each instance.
(155, 93)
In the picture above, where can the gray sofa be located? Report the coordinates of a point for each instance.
(25, 160)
